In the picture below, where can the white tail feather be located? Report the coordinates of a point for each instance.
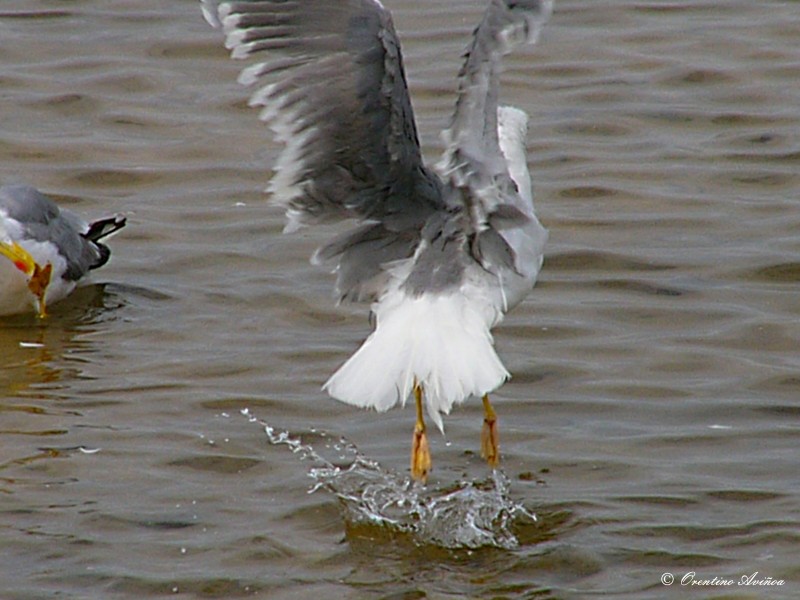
(441, 341)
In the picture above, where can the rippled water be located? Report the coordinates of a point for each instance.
(652, 425)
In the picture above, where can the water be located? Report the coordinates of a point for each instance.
(652, 423)
(473, 515)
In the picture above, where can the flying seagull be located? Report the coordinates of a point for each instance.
(440, 253)
(48, 250)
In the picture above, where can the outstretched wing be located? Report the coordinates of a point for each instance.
(334, 91)
(473, 155)
(489, 175)
(472, 135)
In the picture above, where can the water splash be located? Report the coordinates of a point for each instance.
(466, 515)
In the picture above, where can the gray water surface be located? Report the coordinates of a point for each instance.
(652, 424)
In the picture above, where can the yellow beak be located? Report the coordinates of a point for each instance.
(19, 256)
(39, 276)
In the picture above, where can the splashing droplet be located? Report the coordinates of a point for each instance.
(468, 514)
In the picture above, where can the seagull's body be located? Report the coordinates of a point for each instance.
(45, 251)
(441, 254)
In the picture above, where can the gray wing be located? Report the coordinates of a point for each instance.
(42, 220)
(334, 91)
(486, 180)
(472, 136)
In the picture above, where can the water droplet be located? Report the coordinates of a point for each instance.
(469, 514)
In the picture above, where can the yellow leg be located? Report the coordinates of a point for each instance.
(490, 444)
(420, 454)
(38, 286)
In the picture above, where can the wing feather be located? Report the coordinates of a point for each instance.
(473, 160)
(39, 219)
(491, 183)
(333, 90)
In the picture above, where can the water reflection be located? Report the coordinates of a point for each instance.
(32, 349)
(38, 360)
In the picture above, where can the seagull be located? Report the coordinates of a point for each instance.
(441, 253)
(49, 250)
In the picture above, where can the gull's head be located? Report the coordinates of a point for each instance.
(38, 276)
